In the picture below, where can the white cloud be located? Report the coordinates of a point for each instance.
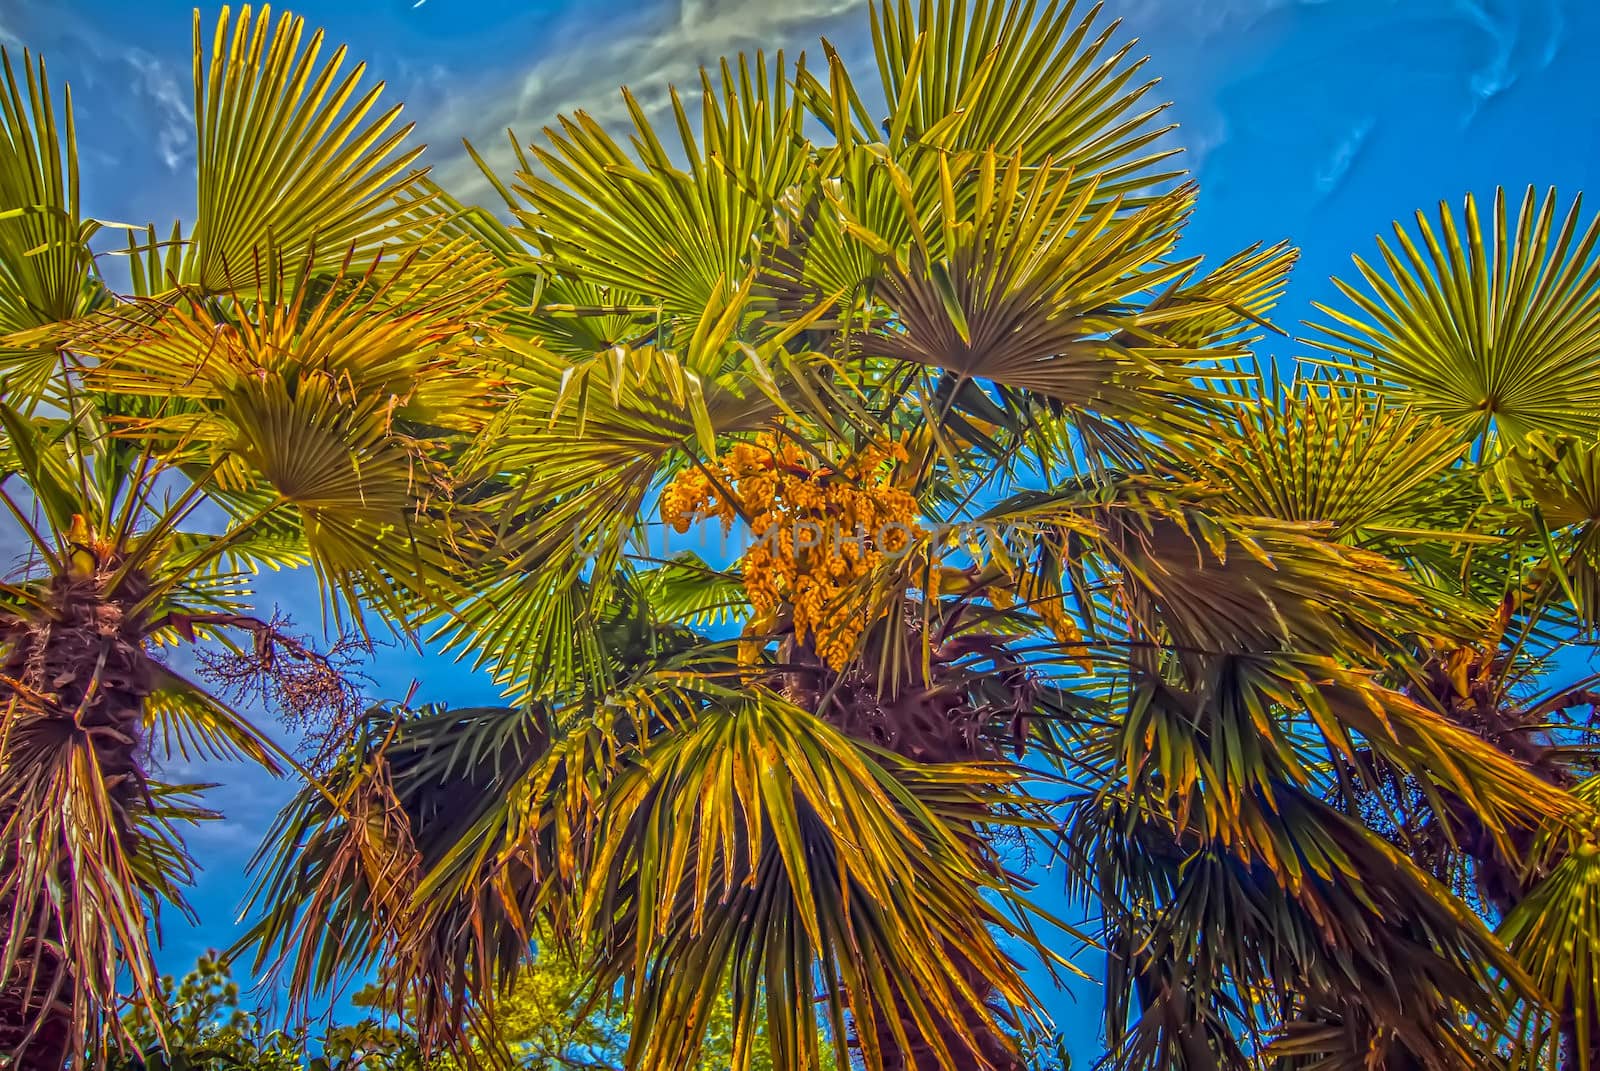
(169, 105)
(1343, 156)
(647, 55)
(668, 46)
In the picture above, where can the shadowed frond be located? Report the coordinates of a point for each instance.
(1213, 958)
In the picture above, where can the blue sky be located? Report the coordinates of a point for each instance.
(1320, 121)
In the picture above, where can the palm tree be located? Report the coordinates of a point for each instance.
(271, 393)
(1028, 554)
(1487, 323)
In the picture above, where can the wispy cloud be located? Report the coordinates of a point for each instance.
(1201, 20)
(1522, 38)
(666, 47)
(1339, 162)
(133, 104)
(168, 105)
(668, 44)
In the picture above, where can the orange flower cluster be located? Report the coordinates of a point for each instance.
(818, 528)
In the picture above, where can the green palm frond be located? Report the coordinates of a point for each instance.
(1046, 86)
(684, 236)
(93, 844)
(1321, 452)
(186, 722)
(1554, 934)
(155, 265)
(439, 823)
(1248, 617)
(765, 841)
(1492, 326)
(430, 825)
(558, 806)
(395, 327)
(219, 572)
(36, 455)
(293, 156)
(325, 400)
(1225, 308)
(582, 321)
(584, 444)
(47, 272)
(1553, 482)
(1034, 290)
(1211, 582)
(687, 591)
(535, 631)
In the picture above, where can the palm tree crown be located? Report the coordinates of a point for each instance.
(1028, 556)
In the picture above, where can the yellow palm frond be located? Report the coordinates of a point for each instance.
(47, 272)
(1491, 325)
(293, 155)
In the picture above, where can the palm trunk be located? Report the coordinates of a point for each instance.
(993, 1052)
(36, 1025)
(36, 1028)
(1521, 735)
(70, 686)
(928, 724)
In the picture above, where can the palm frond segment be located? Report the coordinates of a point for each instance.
(47, 272)
(294, 154)
(1492, 325)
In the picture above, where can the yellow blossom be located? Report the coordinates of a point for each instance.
(845, 509)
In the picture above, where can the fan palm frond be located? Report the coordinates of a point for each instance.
(1046, 86)
(293, 154)
(692, 229)
(1492, 326)
(1320, 452)
(47, 272)
(324, 400)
